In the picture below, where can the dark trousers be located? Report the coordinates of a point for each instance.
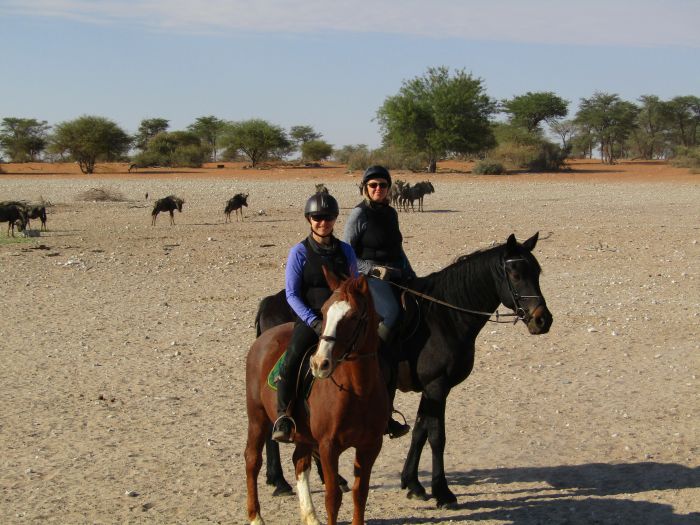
(303, 338)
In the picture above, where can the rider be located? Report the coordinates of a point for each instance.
(373, 232)
(307, 290)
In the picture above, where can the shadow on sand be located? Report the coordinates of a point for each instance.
(577, 494)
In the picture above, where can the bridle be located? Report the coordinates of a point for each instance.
(519, 313)
(350, 349)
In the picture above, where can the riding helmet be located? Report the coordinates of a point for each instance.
(376, 172)
(321, 204)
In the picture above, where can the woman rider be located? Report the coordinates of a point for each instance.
(373, 232)
(307, 290)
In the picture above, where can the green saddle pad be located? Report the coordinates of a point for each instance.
(275, 374)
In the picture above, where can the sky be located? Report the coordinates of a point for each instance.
(328, 64)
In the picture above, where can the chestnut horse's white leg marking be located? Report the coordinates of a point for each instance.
(257, 521)
(325, 348)
(306, 504)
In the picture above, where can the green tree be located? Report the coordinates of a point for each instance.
(176, 148)
(611, 120)
(208, 129)
(565, 129)
(530, 109)
(148, 129)
(88, 139)
(23, 139)
(684, 114)
(257, 139)
(315, 150)
(437, 114)
(648, 138)
(300, 135)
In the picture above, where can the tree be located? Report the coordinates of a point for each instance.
(437, 114)
(148, 129)
(648, 137)
(315, 150)
(257, 139)
(684, 113)
(176, 148)
(565, 129)
(208, 129)
(88, 139)
(611, 120)
(23, 139)
(530, 109)
(300, 135)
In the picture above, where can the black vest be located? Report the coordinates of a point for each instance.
(315, 289)
(381, 240)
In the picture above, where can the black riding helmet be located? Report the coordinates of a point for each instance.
(321, 204)
(376, 172)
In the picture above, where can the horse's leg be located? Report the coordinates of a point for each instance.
(342, 482)
(257, 429)
(329, 455)
(364, 461)
(436, 394)
(409, 474)
(274, 474)
(302, 466)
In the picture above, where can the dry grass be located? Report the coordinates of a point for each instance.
(101, 195)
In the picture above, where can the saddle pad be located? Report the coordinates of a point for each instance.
(274, 375)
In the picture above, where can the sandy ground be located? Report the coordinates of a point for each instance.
(122, 348)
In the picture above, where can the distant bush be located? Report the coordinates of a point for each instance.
(101, 195)
(687, 158)
(344, 154)
(549, 157)
(489, 167)
(390, 158)
(540, 156)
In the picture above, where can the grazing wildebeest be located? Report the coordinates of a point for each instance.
(169, 204)
(447, 310)
(37, 212)
(11, 213)
(133, 167)
(334, 418)
(236, 204)
(416, 193)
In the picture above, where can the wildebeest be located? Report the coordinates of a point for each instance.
(12, 213)
(395, 191)
(37, 212)
(236, 204)
(321, 188)
(415, 193)
(169, 204)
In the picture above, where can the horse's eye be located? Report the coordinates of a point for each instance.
(515, 276)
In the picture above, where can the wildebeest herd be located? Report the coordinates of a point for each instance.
(19, 213)
(402, 194)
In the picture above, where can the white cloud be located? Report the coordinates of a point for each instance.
(643, 23)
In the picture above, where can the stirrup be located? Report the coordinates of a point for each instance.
(400, 430)
(281, 436)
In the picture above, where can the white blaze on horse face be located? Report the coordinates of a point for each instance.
(306, 504)
(335, 313)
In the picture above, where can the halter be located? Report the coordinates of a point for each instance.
(516, 296)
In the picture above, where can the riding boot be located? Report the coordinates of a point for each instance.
(282, 430)
(394, 428)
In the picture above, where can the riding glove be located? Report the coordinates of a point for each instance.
(317, 326)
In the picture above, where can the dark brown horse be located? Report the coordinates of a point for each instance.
(351, 410)
(169, 204)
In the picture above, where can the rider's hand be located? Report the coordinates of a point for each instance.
(317, 326)
(381, 272)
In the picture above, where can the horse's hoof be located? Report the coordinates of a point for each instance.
(417, 494)
(447, 505)
(283, 490)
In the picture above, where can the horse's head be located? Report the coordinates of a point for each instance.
(349, 319)
(520, 289)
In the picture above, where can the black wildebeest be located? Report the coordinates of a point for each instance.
(169, 204)
(37, 212)
(415, 193)
(446, 311)
(321, 188)
(235, 204)
(11, 213)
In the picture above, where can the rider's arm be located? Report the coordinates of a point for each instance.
(354, 228)
(293, 277)
(351, 258)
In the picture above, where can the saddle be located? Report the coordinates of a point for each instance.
(305, 379)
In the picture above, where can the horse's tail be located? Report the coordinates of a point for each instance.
(257, 320)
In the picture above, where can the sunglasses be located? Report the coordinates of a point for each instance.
(321, 218)
(375, 185)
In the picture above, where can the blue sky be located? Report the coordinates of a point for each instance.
(328, 64)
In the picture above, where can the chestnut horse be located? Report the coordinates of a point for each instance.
(350, 410)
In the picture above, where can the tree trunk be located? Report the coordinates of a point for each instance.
(432, 166)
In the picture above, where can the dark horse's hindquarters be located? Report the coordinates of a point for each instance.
(440, 349)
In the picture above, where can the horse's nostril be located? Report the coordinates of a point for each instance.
(540, 321)
(325, 364)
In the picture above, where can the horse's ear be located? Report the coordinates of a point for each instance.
(331, 278)
(362, 284)
(511, 243)
(529, 245)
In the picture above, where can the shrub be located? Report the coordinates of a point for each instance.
(390, 158)
(687, 158)
(101, 195)
(489, 167)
